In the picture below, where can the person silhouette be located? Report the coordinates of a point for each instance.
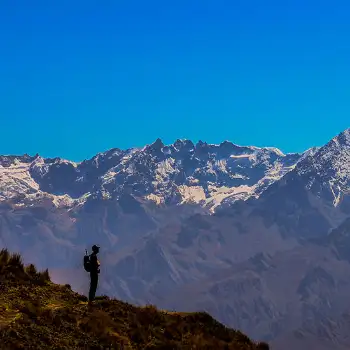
(94, 271)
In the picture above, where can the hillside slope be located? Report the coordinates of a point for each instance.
(35, 313)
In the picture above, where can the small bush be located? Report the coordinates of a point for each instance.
(82, 298)
(15, 260)
(44, 277)
(262, 346)
(31, 270)
(99, 323)
(31, 308)
(4, 257)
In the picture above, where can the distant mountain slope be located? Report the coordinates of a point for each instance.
(292, 299)
(287, 212)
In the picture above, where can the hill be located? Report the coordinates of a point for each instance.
(36, 313)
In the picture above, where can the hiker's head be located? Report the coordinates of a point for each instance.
(95, 248)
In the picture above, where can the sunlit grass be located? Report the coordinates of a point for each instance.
(36, 313)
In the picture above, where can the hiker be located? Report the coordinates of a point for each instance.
(92, 265)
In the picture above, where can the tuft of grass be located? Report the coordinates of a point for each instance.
(15, 260)
(31, 270)
(44, 277)
(12, 268)
(4, 256)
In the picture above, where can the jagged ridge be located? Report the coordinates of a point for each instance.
(202, 173)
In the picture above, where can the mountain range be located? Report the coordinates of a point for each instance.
(257, 238)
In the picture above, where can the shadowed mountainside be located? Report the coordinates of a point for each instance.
(298, 299)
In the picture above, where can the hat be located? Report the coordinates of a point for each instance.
(95, 247)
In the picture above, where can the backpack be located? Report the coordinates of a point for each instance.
(87, 263)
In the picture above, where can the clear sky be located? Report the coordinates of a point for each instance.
(80, 77)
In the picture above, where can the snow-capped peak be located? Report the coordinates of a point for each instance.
(203, 172)
(327, 169)
(343, 139)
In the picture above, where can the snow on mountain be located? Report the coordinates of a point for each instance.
(15, 179)
(211, 175)
(327, 170)
(18, 184)
(182, 172)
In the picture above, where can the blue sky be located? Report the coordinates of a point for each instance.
(80, 77)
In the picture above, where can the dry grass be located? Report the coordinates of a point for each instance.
(37, 314)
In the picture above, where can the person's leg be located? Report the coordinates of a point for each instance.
(93, 286)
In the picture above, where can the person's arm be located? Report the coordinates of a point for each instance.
(97, 265)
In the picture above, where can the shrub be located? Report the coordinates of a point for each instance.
(31, 308)
(262, 346)
(4, 257)
(31, 270)
(15, 260)
(44, 277)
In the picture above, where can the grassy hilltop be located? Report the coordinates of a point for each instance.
(38, 314)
